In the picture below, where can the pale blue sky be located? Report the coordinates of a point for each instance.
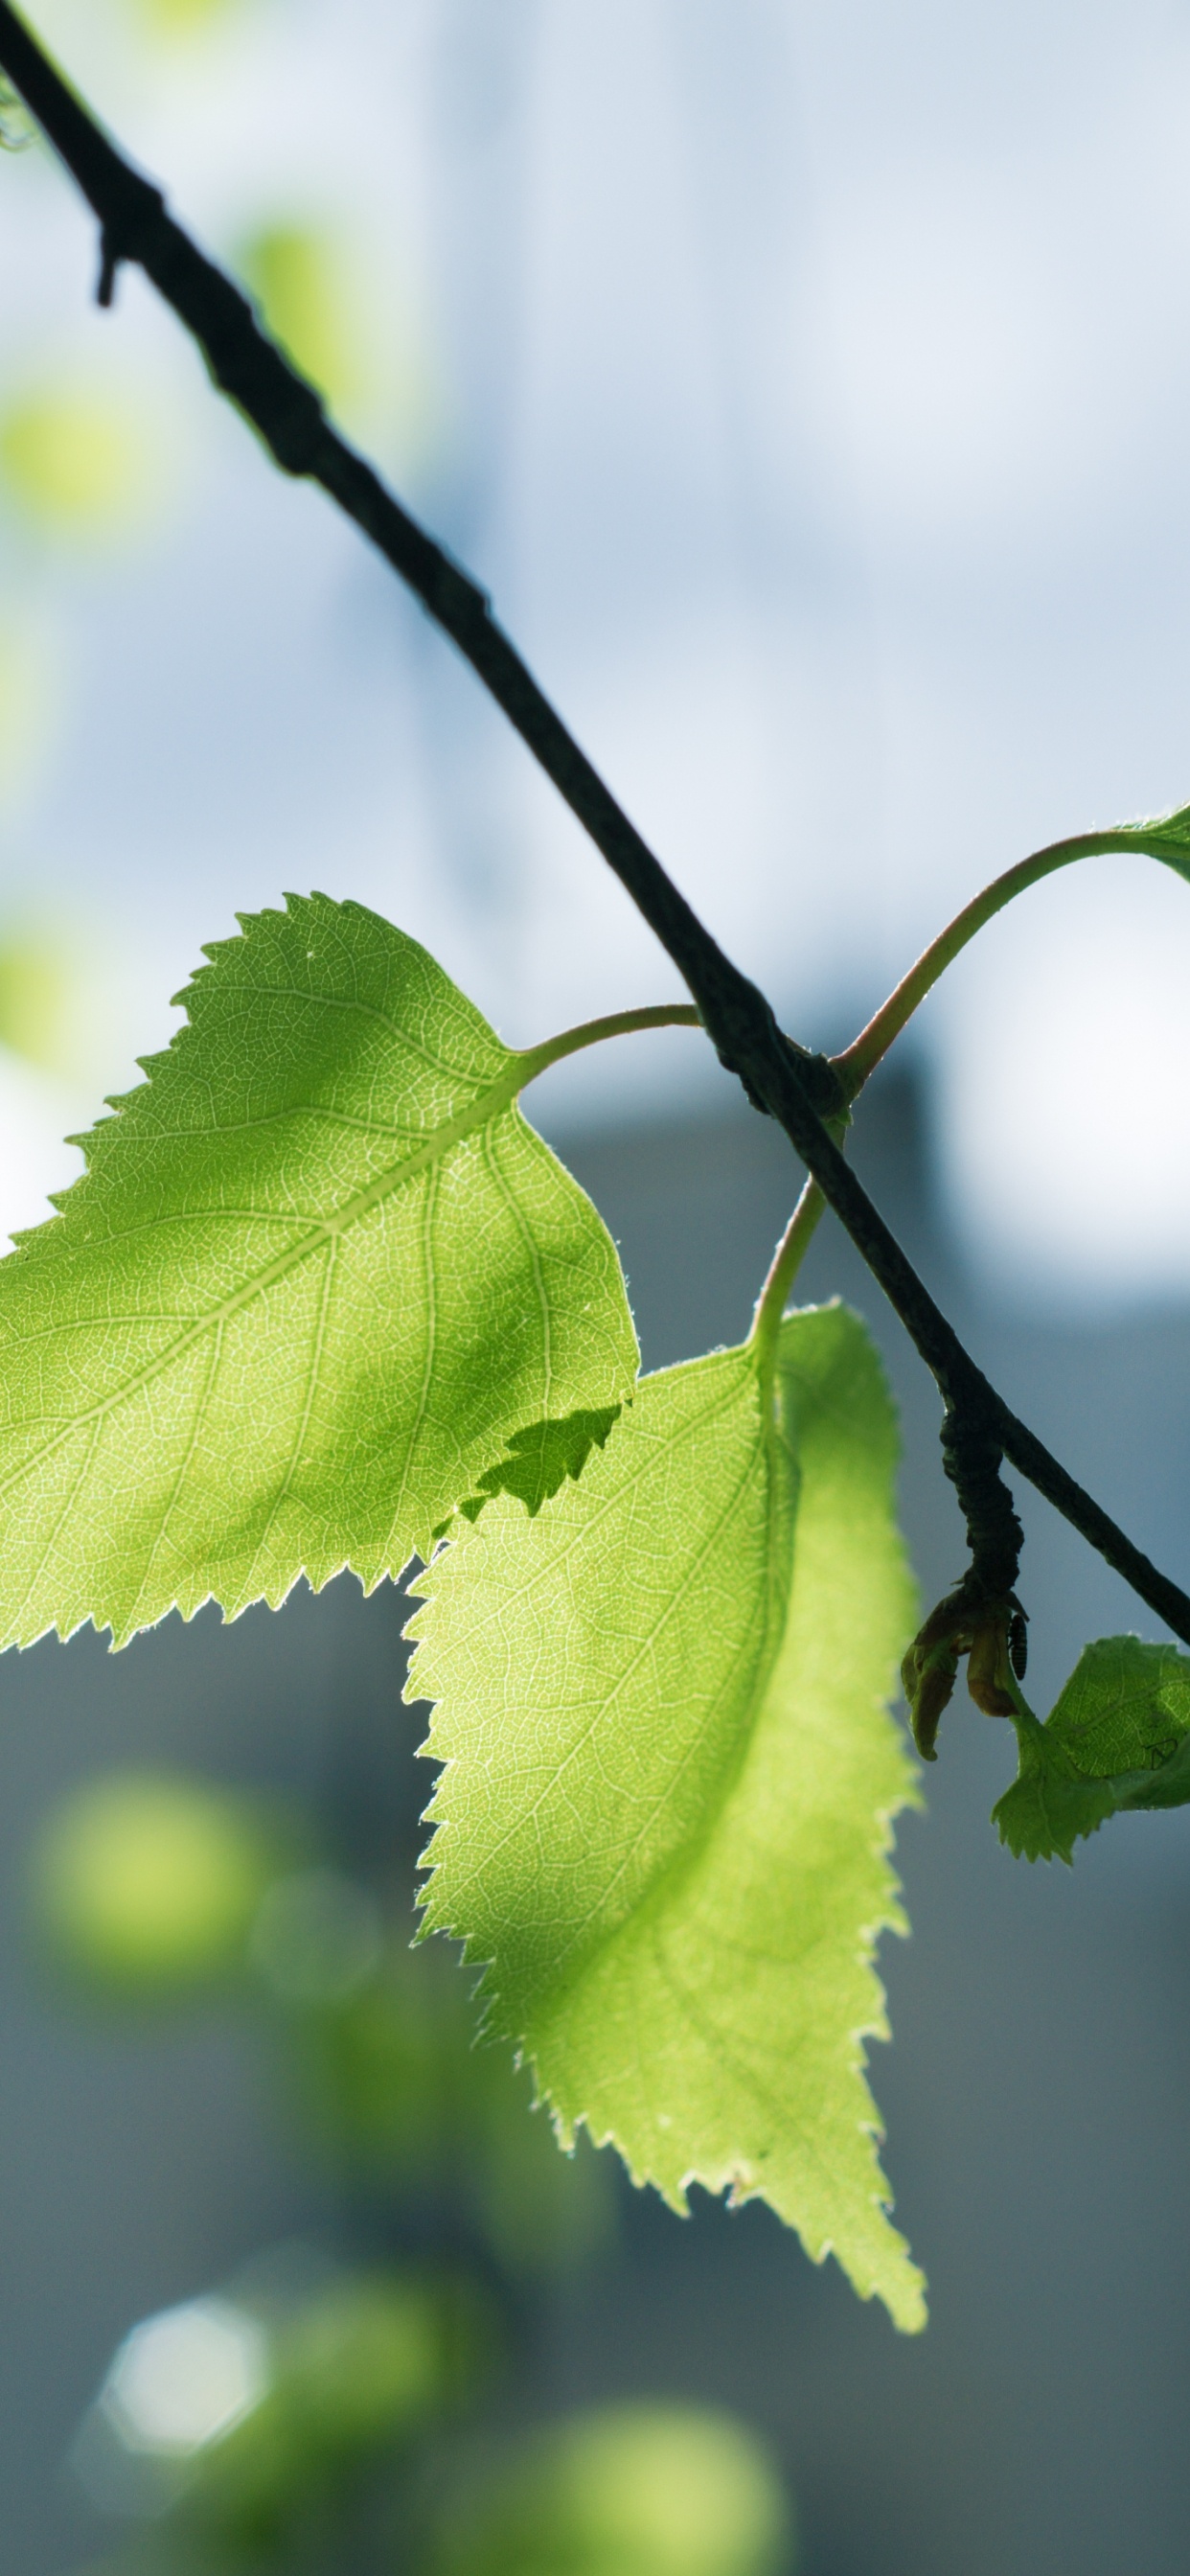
(810, 383)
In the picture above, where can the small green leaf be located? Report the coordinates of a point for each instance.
(318, 1275)
(1117, 1737)
(670, 1776)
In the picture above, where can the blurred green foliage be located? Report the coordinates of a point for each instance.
(239, 2425)
(35, 994)
(346, 320)
(393, 2083)
(146, 1887)
(184, 17)
(316, 2418)
(354, 2370)
(302, 283)
(77, 460)
(630, 2491)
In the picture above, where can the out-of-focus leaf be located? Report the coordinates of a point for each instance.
(630, 2491)
(35, 995)
(394, 2086)
(77, 461)
(364, 2365)
(301, 279)
(1118, 1737)
(185, 17)
(242, 2415)
(317, 1938)
(346, 314)
(145, 1887)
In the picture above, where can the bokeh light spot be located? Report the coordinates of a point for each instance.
(183, 2378)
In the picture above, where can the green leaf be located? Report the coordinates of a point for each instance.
(622, 2491)
(665, 1815)
(1117, 1737)
(318, 1275)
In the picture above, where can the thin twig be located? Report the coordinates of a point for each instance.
(796, 1088)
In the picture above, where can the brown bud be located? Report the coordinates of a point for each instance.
(988, 1669)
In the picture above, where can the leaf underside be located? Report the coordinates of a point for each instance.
(671, 1773)
(1118, 1737)
(318, 1276)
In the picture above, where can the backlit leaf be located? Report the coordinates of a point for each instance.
(670, 1776)
(318, 1275)
(1118, 1736)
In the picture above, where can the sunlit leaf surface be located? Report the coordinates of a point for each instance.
(318, 1275)
(664, 1822)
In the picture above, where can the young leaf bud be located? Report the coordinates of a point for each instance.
(928, 1689)
(987, 1665)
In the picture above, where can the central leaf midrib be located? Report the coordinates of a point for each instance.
(498, 1096)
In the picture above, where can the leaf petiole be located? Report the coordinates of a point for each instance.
(865, 1052)
(783, 1269)
(1161, 840)
(617, 1024)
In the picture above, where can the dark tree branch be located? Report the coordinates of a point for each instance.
(794, 1087)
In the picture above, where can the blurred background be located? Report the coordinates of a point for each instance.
(809, 387)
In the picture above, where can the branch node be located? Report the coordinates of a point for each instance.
(824, 1088)
(982, 1617)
